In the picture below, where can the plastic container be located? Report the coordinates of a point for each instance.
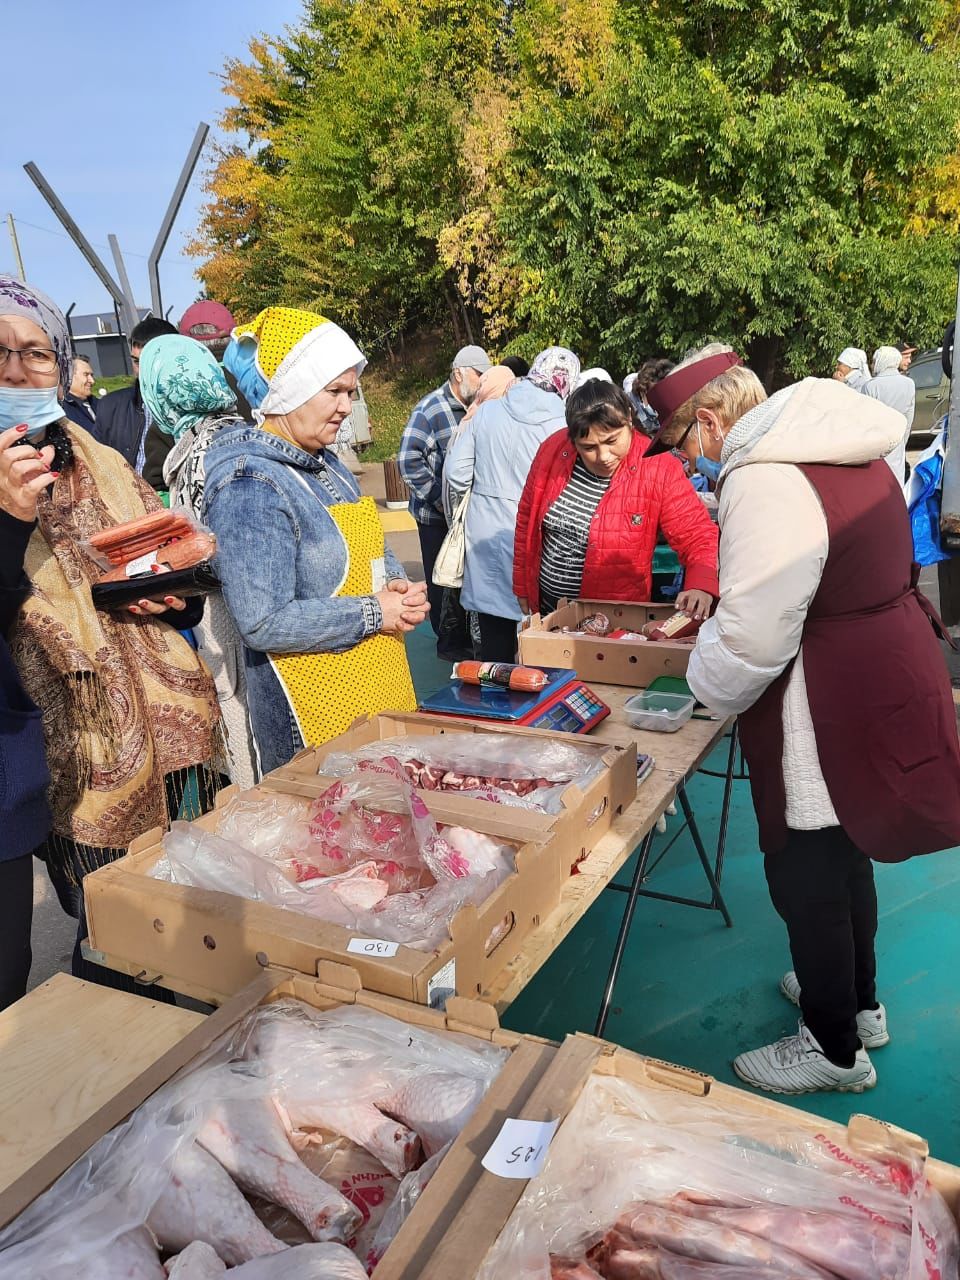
(659, 712)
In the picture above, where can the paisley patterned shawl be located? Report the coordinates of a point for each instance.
(125, 700)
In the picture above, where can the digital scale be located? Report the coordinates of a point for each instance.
(565, 705)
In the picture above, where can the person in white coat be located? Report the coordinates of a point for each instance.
(823, 647)
(891, 387)
(491, 458)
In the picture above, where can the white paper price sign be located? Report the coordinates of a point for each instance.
(372, 947)
(520, 1148)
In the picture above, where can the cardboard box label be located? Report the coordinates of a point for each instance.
(520, 1149)
(442, 985)
(372, 947)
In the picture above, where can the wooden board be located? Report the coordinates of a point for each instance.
(65, 1050)
(678, 755)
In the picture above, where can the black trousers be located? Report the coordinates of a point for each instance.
(823, 889)
(498, 638)
(431, 539)
(16, 917)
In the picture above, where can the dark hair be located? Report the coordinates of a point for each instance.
(651, 371)
(516, 364)
(78, 355)
(598, 404)
(152, 327)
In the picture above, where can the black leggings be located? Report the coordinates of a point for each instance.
(189, 793)
(823, 888)
(16, 917)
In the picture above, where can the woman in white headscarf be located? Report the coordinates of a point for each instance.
(320, 603)
(492, 458)
(852, 368)
(895, 389)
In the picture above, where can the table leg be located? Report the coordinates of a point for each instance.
(640, 871)
(725, 806)
(702, 853)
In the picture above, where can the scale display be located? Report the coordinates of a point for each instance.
(565, 705)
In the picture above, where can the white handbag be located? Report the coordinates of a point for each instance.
(448, 569)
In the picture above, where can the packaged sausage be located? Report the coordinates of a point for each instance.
(508, 675)
(679, 626)
(164, 553)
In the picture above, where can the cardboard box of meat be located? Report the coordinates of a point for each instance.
(165, 553)
(421, 898)
(552, 774)
(302, 1132)
(557, 640)
(660, 1173)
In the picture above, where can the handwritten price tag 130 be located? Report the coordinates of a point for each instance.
(520, 1148)
(372, 947)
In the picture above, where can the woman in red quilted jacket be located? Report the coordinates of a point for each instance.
(593, 505)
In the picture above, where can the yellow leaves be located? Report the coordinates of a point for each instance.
(935, 199)
(255, 86)
(570, 40)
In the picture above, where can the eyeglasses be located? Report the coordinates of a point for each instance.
(33, 359)
(686, 431)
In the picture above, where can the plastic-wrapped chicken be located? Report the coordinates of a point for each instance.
(357, 1073)
(523, 772)
(645, 1182)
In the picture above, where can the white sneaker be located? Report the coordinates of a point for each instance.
(797, 1064)
(871, 1023)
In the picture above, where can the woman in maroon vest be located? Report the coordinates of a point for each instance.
(825, 649)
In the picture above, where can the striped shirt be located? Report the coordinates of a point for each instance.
(566, 529)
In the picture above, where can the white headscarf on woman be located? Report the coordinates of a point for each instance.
(555, 369)
(855, 358)
(886, 360)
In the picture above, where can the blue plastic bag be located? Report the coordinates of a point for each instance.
(923, 494)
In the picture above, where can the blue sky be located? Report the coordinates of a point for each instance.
(105, 98)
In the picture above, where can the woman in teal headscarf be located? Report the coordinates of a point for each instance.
(189, 399)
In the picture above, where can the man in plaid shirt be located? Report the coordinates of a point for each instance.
(423, 449)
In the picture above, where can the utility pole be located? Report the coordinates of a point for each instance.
(16, 247)
(173, 208)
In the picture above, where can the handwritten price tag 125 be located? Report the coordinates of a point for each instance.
(372, 947)
(520, 1148)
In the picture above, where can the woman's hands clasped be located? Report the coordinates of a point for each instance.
(403, 605)
(24, 474)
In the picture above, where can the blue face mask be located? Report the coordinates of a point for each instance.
(707, 467)
(36, 406)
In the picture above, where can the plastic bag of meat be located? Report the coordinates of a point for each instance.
(366, 855)
(525, 773)
(644, 1182)
(168, 1180)
(400, 1208)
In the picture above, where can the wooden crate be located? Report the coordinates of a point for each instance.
(591, 810)
(79, 1058)
(553, 641)
(209, 945)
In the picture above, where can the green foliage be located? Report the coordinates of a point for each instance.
(112, 384)
(623, 177)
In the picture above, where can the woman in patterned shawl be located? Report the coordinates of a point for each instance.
(129, 711)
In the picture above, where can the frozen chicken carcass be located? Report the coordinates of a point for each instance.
(567, 1269)
(199, 1261)
(201, 1202)
(130, 1257)
(435, 1106)
(249, 1140)
(305, 1262)
(393, 1144)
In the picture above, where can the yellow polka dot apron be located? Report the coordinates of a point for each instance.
(328, 691)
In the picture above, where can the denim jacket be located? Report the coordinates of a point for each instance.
(281, 559)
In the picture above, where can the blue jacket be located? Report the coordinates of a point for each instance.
(23, 766)
(82, 412)
(281, 560)
(493, 454)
